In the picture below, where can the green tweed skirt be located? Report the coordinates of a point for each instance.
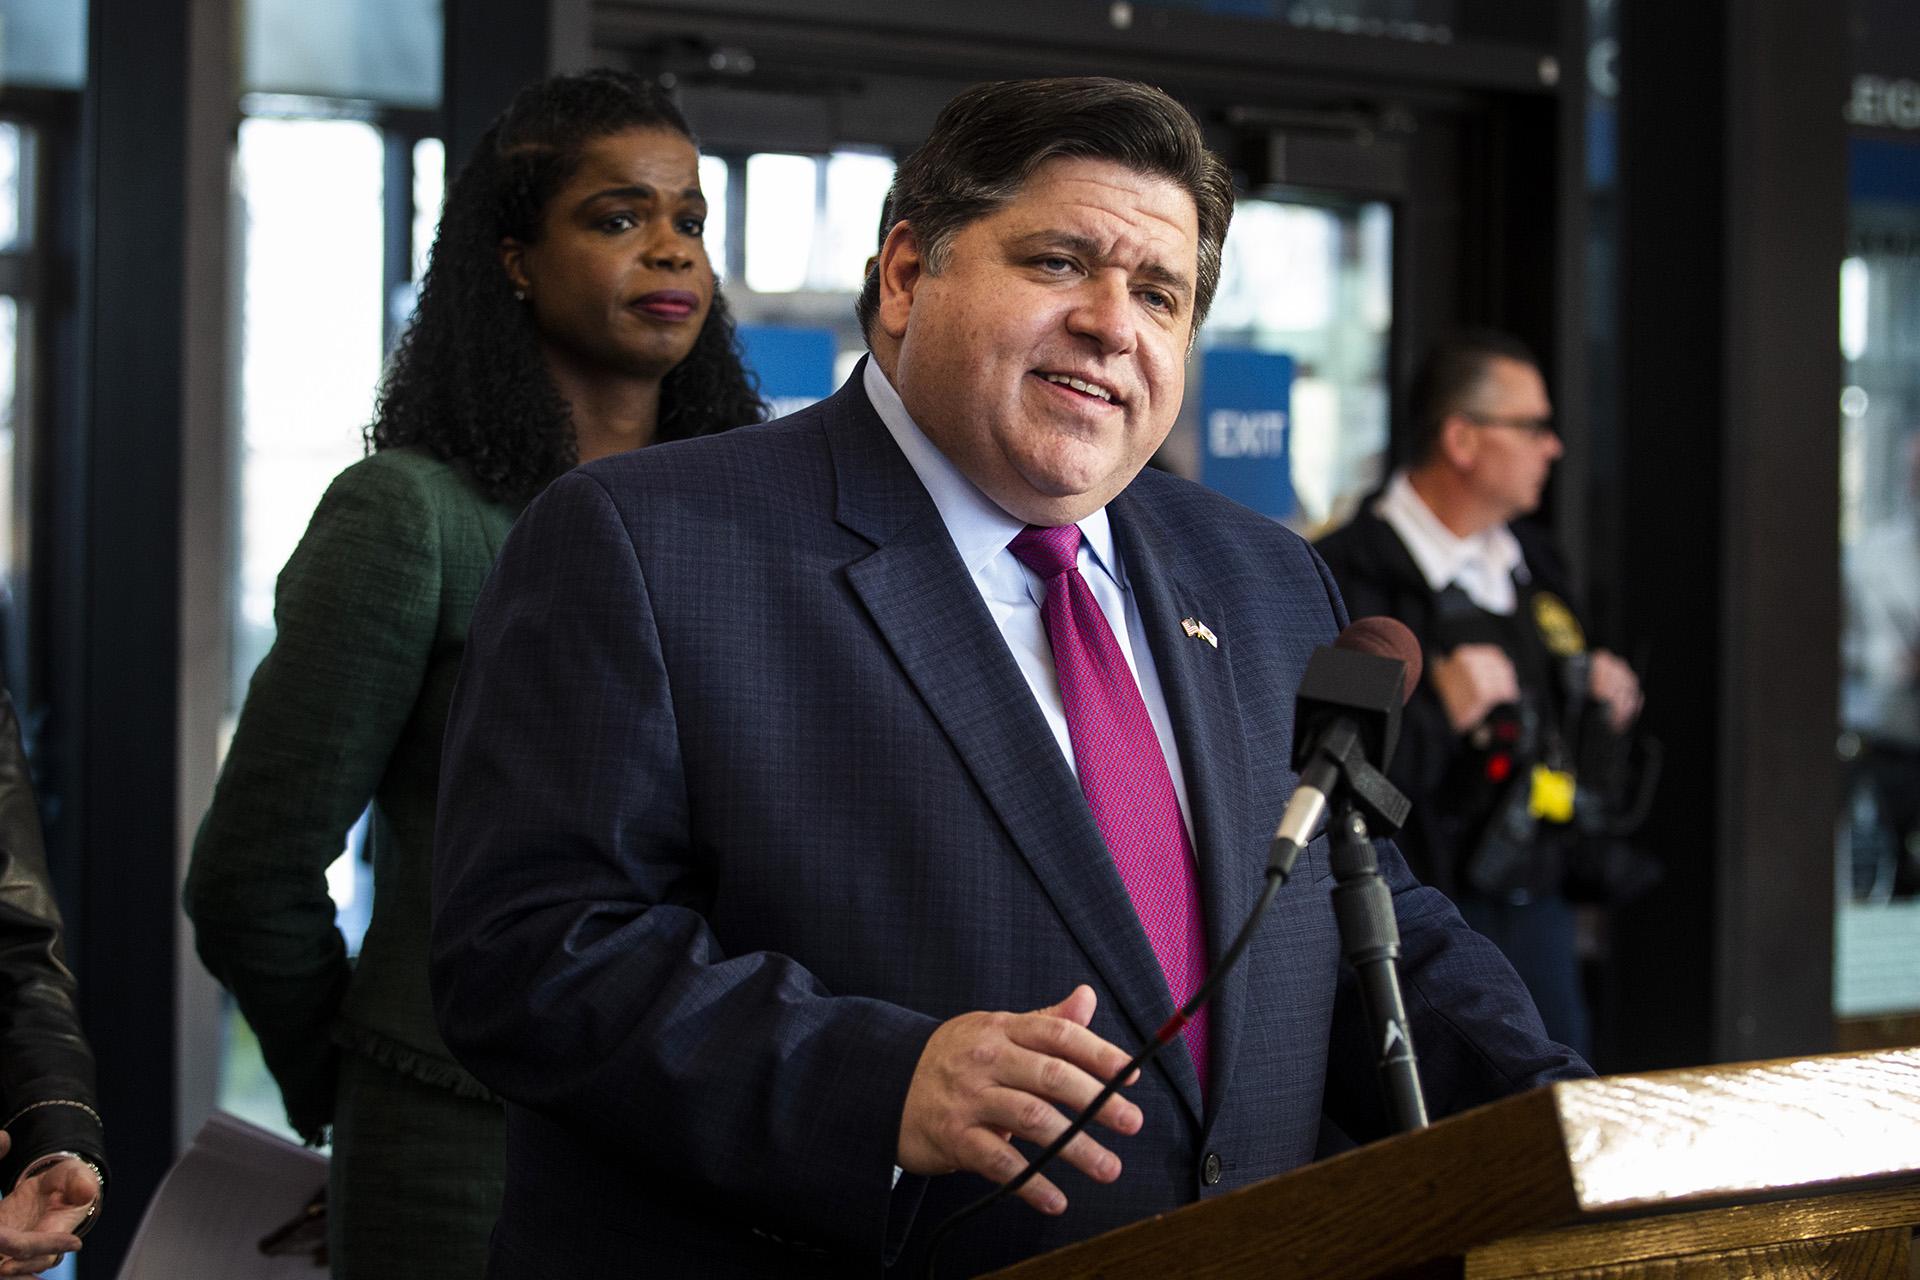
(414, 1185)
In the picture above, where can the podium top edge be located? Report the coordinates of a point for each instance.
(1703, 1133)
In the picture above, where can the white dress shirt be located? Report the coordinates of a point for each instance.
(1483, 565)
(981, 530)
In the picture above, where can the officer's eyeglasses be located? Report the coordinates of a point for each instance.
(1536, 428)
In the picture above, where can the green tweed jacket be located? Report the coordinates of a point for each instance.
(348, 707)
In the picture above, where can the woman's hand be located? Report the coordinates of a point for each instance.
(39, 1216)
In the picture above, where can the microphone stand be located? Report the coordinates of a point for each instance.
(1370, 938)
(1363, 909)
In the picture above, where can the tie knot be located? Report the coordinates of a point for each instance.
(1048, 550)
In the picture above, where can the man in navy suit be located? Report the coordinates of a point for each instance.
(776, 887)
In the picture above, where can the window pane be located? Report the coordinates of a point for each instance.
(21, 664)
(44, 43)
(856, 188)
(812, 221)
(429, 192)
(385, 51)
(310, 345)
(811, 225)
(1877, 932)
(781, 203)
(713, 185)
(1277, 269)
(9, 184)
(1311, 283)
(9, 367)
(14, 493)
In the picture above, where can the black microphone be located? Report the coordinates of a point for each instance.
(1346, 723)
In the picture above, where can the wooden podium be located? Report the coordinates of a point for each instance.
(1806, 1167)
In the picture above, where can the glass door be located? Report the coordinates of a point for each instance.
(1287, 403)
(1877, 933)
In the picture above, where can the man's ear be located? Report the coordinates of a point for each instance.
(513, 260)
(902, 266)
(1459, 441)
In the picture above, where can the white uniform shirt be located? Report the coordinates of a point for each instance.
(1483, 565)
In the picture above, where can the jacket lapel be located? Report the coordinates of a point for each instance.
(1196, 677)
(930, 613)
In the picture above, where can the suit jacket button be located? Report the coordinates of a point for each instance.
(1210, 1169)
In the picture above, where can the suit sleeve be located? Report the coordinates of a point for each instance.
(47, 1098)
(356, 611)
(1474, 1027)
(574, 968)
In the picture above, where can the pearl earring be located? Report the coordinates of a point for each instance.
(519, 295)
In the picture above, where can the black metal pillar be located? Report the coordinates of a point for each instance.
(495, 46)
(114, 718)
(1732, 190)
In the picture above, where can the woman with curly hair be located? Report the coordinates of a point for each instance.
(568, 312)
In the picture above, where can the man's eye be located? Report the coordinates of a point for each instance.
(1055, 263)
(693, 226)
(1157, 299)
(616, 222)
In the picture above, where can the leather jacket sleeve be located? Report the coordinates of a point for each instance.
(47, 1099)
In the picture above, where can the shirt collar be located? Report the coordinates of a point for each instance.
(980, 527)
(1441, 554)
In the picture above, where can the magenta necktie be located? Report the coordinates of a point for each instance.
(1122, 771)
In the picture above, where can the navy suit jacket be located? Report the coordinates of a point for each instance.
(744, 794)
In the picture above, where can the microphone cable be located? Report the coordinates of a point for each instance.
(1279, 867)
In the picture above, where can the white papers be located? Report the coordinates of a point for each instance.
(235, 1184)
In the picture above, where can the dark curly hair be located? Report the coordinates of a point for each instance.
(467, 380)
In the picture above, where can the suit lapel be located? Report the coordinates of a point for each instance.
(930, 613)
(1196, 678)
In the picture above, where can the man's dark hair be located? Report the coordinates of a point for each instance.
(1449, 378)
(989, 140)
(467, 381)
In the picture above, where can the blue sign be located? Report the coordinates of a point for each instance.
(1883, 171)
(1246, 428)
(795, 365)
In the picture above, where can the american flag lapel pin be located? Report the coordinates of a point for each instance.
(1197, 630)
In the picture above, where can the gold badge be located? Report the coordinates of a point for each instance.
(1198, 631)
(1558, 627)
